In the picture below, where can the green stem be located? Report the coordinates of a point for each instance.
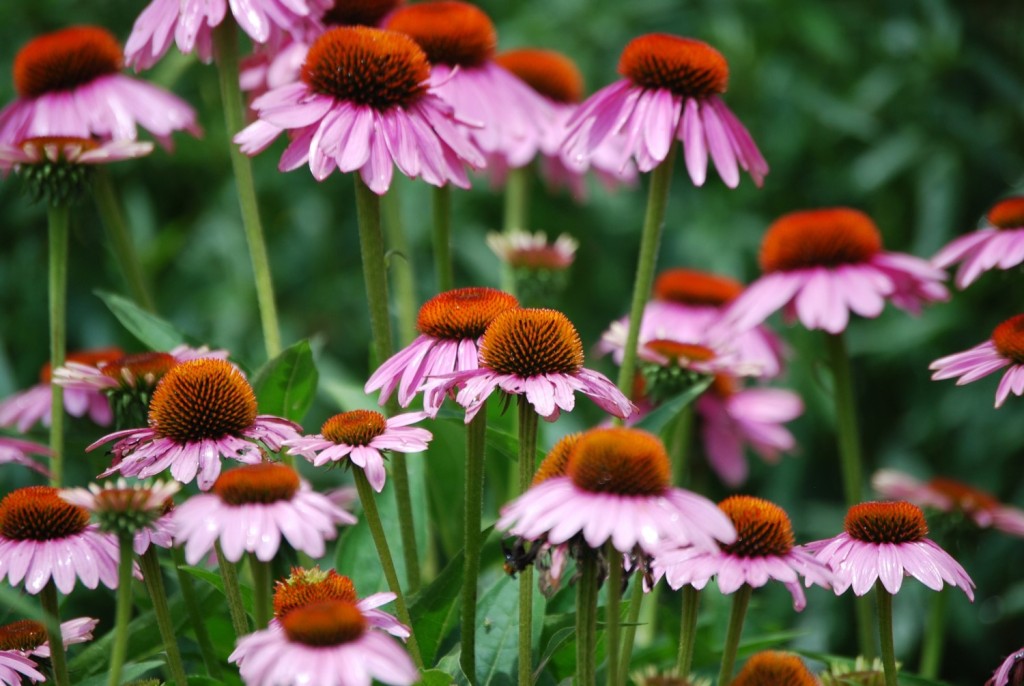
(58, 657)
(380, 540)
(261, 591)
(225, 46)
(679, 450)
(884, 599)
(121, 238)
(614, 591)
(154, 578)
(119, 649)
(443, 238)
(476, 433)
(687, 630)
(740, 602)
(935, 627)
(403, 274)
(239, 620)
(636, 605)
(527, 465)
(195, 615)
(586, 620)
(517, 208)
(650, 238)
(58, 220)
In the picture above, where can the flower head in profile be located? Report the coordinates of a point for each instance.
(670, 92)
(774, 668)
(885, 541)
(364, 103)
(536, 353)
(821, 265)
(17, 451)
(532, 251)
(251, 508)
(139, 510)
(862, 672)
(26, 638)
(57, 167)
(999, 245)
(1010, 672)
(361, 437)
(201, 410)
(450, 325)
(1005, 348)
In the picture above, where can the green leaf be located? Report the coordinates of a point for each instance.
(435, 609)
(560, 638)
(657, 420)
(285, 386)
(435, 677)
(215, 580)
(129, 672)
(10, 599)
(497, 628)
(154, 332)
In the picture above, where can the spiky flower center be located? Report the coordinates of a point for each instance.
(92, 358)
(149, 367)
(775, 668)
(357, 427)
(1008, 338)
(463, 313)
(451, 33)
(329, 623)
(23, 635)
(680, 353)
(690, 287)
(202, 399)
(371, 67)
(964, 497)
(1008, 214)
(529, 342)
(359, 12)
(65, 59)
(762, 527)
(37, 513)
(309, 587)
(886, 522)
(688, 68)
(819, 238)
(550, 73)
(620, 460)
(555, 462)
(263, 483)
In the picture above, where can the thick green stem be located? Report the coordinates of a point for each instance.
(687, 630)
(239, 621)
(195, 615)
(740, 602)
(586, 620)
(401, 265)
(261, 591)
(154, 578)
(121, 238)
(614, 591)
(517, 208)
(380, 540)
(58, 657)
(650, 238)
(443, 239)
(225, 46)
(59, 218)
(636, 604)
(884, 599)
(119, 649)
(935, 634)
(527, 464)
(476, 433)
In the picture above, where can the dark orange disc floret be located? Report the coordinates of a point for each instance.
(202, 399)
(329, 623)
(775, 668)
(37, 513)
(762, 527)
(371, 67)
(263, 483)
(311, 586)
(357, 427)
(94, 358)
(692, 287)
(529, 342)
(550, 73)
(65, 59)
(886, 522)
(358, 12)
(723, 385)
(819, 238)
(964, 497)
(687, 67)
(620, 460)
(23, 635)
(1007, 214)
(1008, 338)
(451, 33)
(557, 459)
(463, 313)
(678, 352)
(150, 367)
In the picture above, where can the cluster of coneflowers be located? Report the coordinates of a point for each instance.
(367, 88)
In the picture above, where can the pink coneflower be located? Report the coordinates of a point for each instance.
(999, 245)
(201, 410)
(29, 637)
(32, 152)
(33, 404)
(1004, 349)
(536, 353)
(1010, 672)
(141, 511)
(69, 85)
(363, 104)
(14, 666)
(450, 326)
(360, 436)
(775, 668)
(130, 372)
(43, 537)
(17, 451)
(763, 551)
(532, 252)
(250, 508)
(885, 542)
(671, 92)
(951, 496)
(616, 487)
(820, 265)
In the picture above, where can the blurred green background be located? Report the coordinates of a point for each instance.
(912, 110)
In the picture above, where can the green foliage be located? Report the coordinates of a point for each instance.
(156, 333)
(286, 385)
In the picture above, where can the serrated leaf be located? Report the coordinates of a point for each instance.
(285, 386)
(657, 420)
(435, 609)
(154, 332)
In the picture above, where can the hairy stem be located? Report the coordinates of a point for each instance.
(884, 599)
(527, 464)
(119, 648)
(58, 657)
(154, 578)
(740, 602)
(476, 432)
(58, 220)
(233, 593)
